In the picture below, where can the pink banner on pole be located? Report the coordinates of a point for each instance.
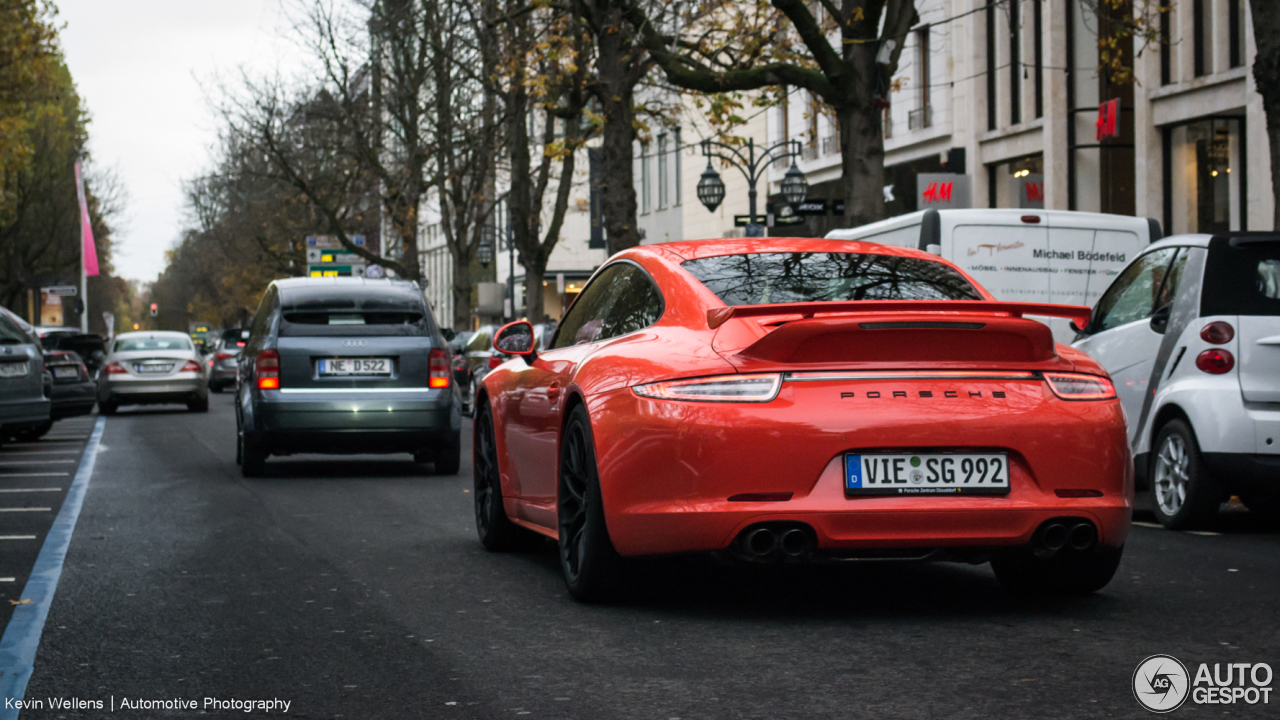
(90, 250)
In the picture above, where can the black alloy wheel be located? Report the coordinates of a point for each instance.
(497, 532)
(592, 567)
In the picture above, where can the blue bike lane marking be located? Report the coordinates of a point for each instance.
(22, 636)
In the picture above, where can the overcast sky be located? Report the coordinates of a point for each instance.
(140, 67)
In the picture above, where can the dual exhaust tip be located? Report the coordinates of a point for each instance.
(1058, 534)
(770, 542)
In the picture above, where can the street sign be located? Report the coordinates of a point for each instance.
(331, 242)
(329, 271)
(745, 220)
(60, 290)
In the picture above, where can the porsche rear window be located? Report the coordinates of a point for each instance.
(765, 278)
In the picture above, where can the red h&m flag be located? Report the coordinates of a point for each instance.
(1108, 124)
(90, 250)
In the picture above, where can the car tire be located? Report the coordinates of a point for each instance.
(1067, 572)
(448, 457)
(1184, 494)
(107, 407)
(253, 456)
(198, 404)
(593, 570)
(497, 532)
(33, 434)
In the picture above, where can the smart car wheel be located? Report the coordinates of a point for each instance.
(1067, 572)
(591, 566)
(1185, 494)
(497, 532)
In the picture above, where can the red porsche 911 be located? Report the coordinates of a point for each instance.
(793, 400)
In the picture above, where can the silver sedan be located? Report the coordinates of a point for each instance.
(153, 368)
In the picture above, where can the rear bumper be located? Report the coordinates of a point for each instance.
(355, 423)
(72, 399)
(1241, 473)
(668, 469)
(23, 413)
(147, 390)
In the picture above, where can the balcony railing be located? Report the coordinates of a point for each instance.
(831, 145)
(809, 152)
(920, 119)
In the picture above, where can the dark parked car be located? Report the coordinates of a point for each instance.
(24, 384)
(222, 366)
(89, 346)
(346, 365)
(74, 391)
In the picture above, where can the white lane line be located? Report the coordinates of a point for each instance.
(1157, 526)
(17, 537)
(5, 490)
(25, 509)
(39, 452)
(7, 579)
(34, 462)
(6, 475)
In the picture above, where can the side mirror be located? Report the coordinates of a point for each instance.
(1160, 319)
(516, 339)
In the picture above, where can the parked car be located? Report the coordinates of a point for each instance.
(1048, 256)
(798, 400)
(24, 384)
(346, 365)
(222, 364)
(74, 390)
(91, 347)
(1190, 332)
(461, 371)
(153, 367)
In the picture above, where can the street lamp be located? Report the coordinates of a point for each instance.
(711, 187)
(484, 253)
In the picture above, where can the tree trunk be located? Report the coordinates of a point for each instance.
(619, 201)
(535, 268)
(461, 293)
(862, 162)
(1266, 73)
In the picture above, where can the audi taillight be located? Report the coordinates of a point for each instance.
(224, 356)
(1215, 361)
(757, 388)
(1076, 386)
(438, 367)
(116, 368)
(1218, 333)
(267, 369)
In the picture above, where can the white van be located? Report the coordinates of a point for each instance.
(1047, 256)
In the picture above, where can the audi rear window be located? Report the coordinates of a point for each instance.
(767, 278)
(1242, 277)
(353, 311)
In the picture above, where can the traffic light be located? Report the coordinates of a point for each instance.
(155, 309)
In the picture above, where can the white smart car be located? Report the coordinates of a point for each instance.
(1190, 333)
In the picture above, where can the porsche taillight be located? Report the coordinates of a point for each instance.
(757, 388)
(1078, 386)
(439, 370)
(116, 368)
(267, 368)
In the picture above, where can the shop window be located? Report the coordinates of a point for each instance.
(1200, 37)
(1166, 44)
(1204, 176)
(1016, 183)
(1235, 32)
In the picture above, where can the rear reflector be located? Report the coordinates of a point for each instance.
(1077, 493)
(1076, 386)
(267, 368)
(439, 370)
(761, 387)
(116, 368)
(761, 497)
(1031, 218)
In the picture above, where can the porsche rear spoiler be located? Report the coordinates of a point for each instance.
(1076, 313)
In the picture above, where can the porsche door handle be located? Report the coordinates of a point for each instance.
(553, 392)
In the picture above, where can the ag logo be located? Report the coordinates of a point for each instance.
(1161, 683)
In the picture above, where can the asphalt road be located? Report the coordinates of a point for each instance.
(355, 587)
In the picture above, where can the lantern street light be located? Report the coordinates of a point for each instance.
(484, 253)
(711, 187)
